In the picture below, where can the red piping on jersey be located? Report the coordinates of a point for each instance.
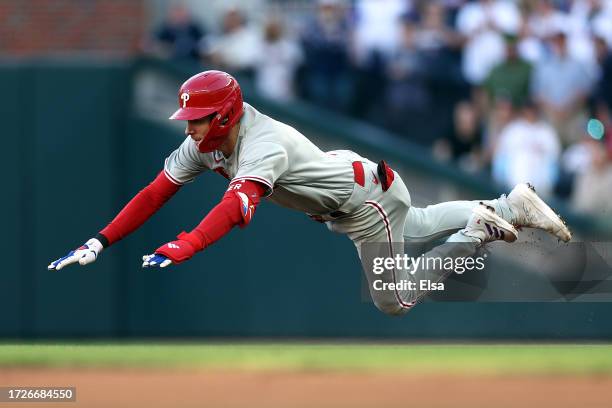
(172, 179)
(383, 214)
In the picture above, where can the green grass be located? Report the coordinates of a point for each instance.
(510, 359)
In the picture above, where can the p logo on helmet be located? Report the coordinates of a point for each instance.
(185, 98)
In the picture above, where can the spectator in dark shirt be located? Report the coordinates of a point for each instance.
(439, 43)
(463, 145)
(179, 36)
(326, 77)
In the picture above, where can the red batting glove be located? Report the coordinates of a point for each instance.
(182, 249)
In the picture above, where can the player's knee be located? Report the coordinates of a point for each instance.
(391, 307)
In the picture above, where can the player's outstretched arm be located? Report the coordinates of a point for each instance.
(85, 254)
(236, 208)
(131, 217)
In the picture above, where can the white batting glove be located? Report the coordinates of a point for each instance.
(155, 261)
(85, 254)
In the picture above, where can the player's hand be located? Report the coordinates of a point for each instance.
(85, 254)
(172, 252)
(155, 261)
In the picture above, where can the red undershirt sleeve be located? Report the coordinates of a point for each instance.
(139, 209)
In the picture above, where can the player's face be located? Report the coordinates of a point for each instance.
(197, 129)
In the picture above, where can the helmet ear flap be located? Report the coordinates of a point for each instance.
(225, 114)
(215, 122)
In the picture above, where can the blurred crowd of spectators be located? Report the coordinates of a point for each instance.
(519, 88)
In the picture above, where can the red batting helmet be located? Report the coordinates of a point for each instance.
(206, 93)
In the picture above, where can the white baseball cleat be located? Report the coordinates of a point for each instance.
(486, 226)
(531, 211)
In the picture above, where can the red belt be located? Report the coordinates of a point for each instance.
(385, 173)
(359, 177)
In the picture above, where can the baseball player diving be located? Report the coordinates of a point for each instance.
(264, 158)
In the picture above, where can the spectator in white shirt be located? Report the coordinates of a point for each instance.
(527, 151)
(276, 66)
(481, 23)
(239, 45)
(592, 189)
(377, 27)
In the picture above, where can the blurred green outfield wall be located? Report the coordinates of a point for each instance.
(76, 154)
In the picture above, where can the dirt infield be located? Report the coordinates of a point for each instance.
(143, 388)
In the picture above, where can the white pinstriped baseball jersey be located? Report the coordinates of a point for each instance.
(297, 173)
